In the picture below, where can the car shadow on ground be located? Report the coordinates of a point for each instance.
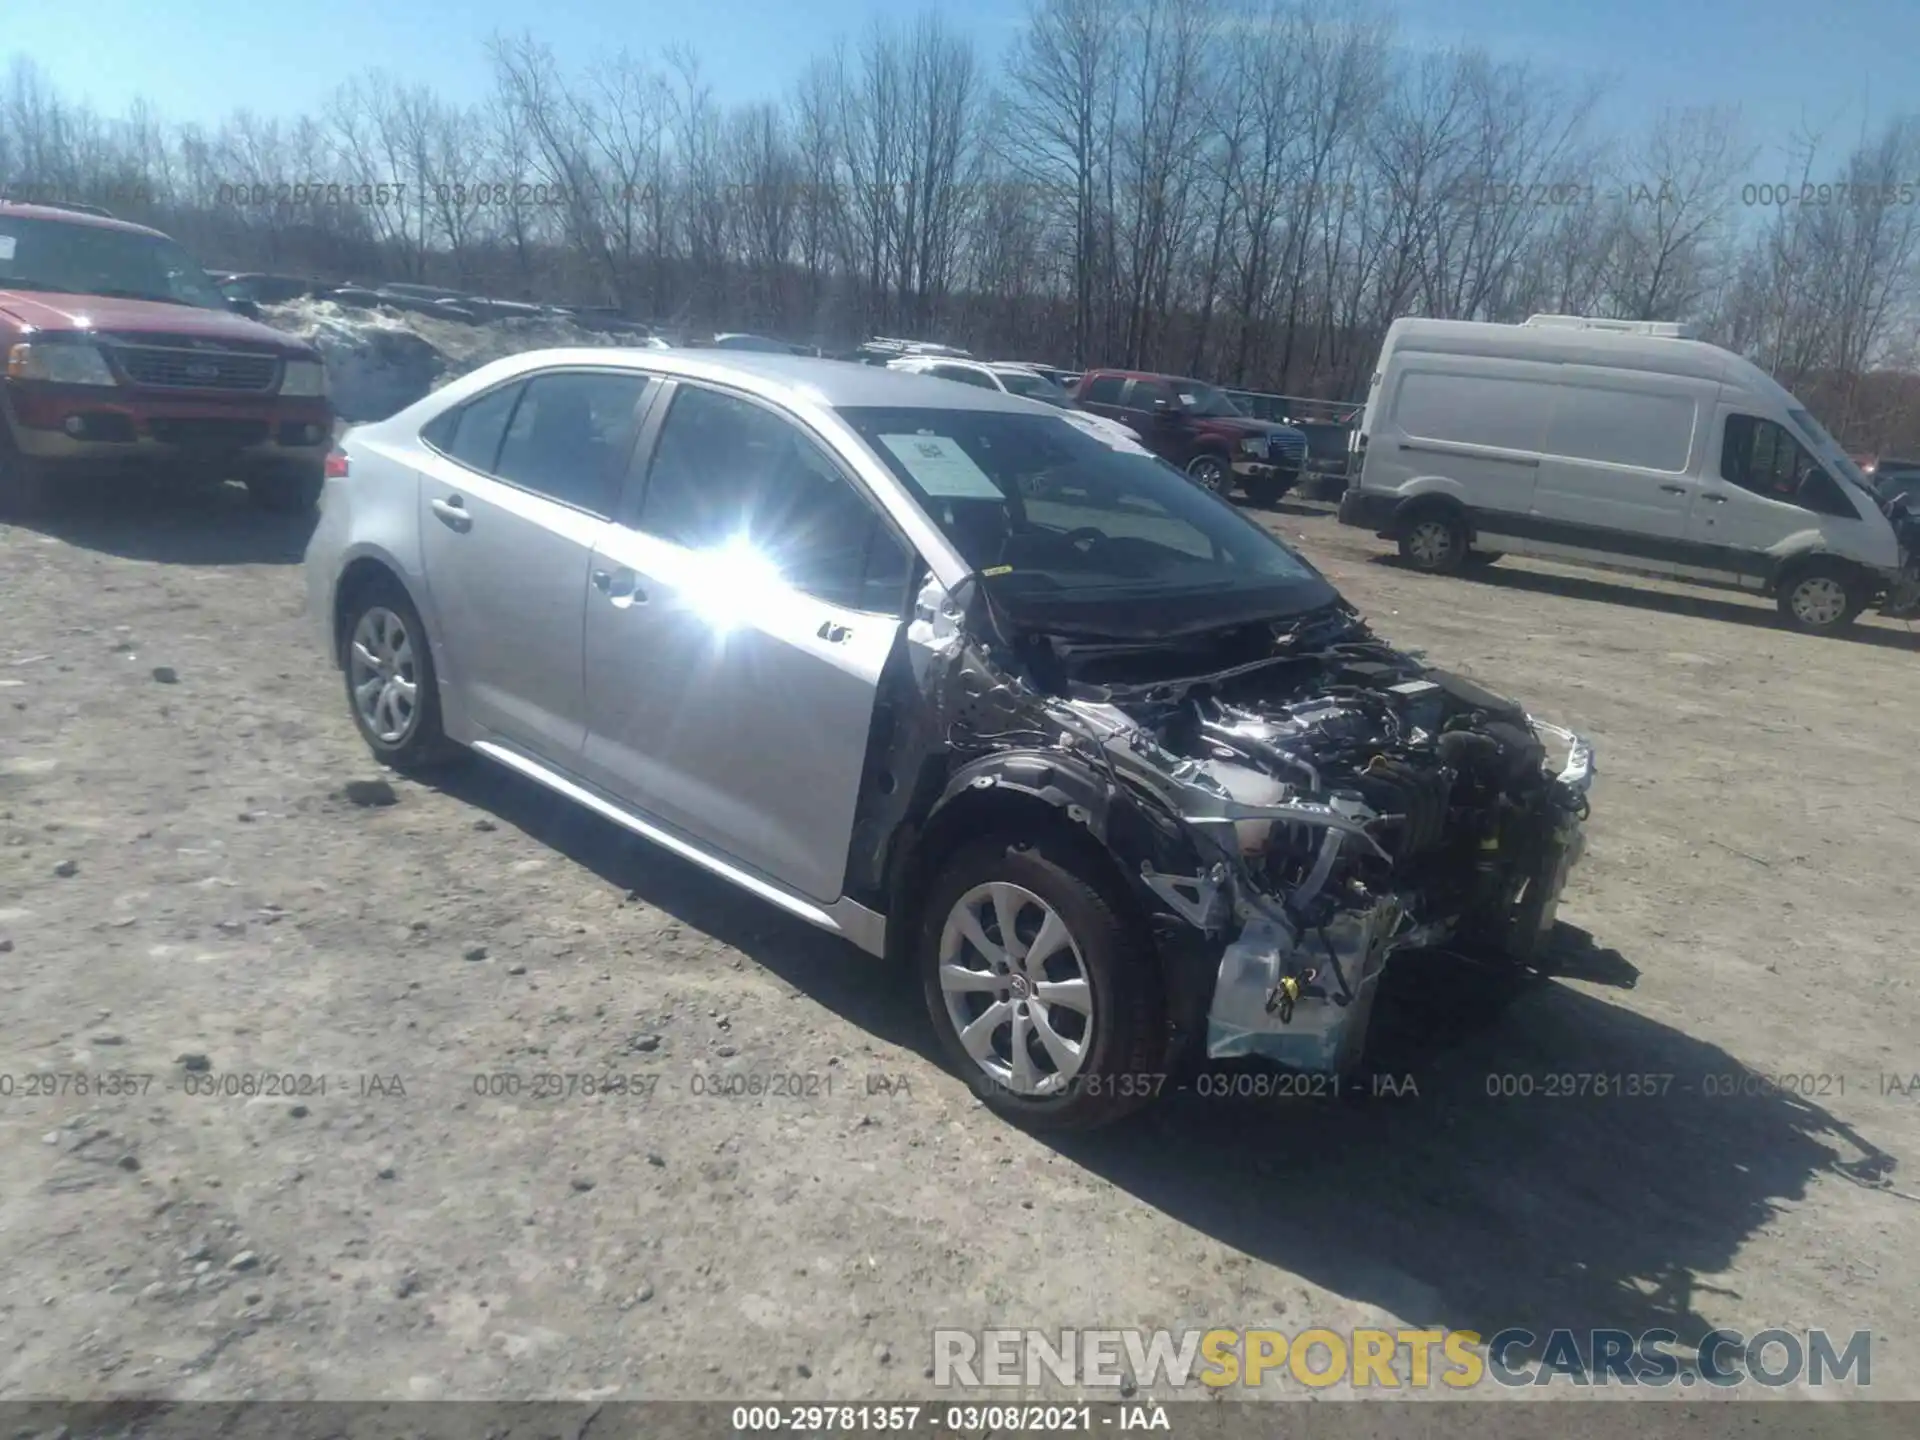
(1531, 1154)
(1505, 576)
(175, 525)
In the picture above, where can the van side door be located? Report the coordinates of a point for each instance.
(1617, 469)
(1466, 427)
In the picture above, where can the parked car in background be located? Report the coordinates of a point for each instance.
(759, 343)
(261, 289)
(1624, 443)
(1063, 378)
(1022, 380)
(1119, 775)
(1195, 426)
(1894, 477)
(121, 357)
(881, 350)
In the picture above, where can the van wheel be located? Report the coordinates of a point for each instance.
(1434, 541)
(1045, 998)
(1820, 598)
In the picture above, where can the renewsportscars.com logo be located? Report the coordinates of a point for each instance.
(1395, 1359)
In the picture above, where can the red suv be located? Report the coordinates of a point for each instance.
(120, 354)
(1197, 427)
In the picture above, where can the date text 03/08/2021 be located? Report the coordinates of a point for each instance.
(959, 1419)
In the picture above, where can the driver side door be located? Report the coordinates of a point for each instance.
(737, 623)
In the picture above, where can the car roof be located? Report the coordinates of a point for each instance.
(1148, 375)
(11, 208)
(791, 380)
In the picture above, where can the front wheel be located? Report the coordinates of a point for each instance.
(1265, 490)
(1043, 996)
(1820, 599)
(1210, 472)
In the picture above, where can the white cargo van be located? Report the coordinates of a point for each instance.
(1627, 444)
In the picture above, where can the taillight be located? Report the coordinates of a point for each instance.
(337, 465)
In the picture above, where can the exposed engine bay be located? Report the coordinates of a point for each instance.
(1303, 801)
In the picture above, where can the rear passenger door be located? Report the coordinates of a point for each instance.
(1166, 430)
(735, 634)
(517, 489)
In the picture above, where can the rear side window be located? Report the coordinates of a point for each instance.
(570, 437)
(1491, 410)
(471, 433)
(1623, 427)
(1104, 390)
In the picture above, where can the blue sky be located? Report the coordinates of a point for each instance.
(1787, 63)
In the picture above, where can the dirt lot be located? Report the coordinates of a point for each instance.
(181, 876)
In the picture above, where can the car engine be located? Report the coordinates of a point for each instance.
(1360, 803)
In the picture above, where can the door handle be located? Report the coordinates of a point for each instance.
(619, 586)
(452, 512)
(832, 633)
(1674, 489)
(1715, 499)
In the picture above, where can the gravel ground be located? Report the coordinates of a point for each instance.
(203, 878)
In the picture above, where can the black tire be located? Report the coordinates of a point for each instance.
(1125, 1035)
(1820, 597)
(423, 744)
(294, 490)
(24, 487)
(1210, 472)
(1434, 539)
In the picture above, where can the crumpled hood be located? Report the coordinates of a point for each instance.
(108, 315)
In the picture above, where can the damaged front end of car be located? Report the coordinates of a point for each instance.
(1291, 802)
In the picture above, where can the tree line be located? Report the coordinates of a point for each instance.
(1245, 190)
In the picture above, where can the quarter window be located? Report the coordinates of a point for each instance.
(471, 434)
(728, 471)
(570, 437)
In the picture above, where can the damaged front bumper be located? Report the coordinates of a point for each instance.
(1259, 1006)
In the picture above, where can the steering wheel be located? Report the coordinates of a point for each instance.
(1087, 535)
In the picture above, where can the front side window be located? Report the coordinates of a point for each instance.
(1197, 399)
(1105, 390)
(1763, 457)
(570, 436)
(730, 473)
(1050, 516)
(74, 258)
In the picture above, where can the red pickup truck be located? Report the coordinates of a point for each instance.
(118, 354)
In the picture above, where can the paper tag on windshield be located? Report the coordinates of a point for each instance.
(6, 247)
(1189, 399)
(941, 468)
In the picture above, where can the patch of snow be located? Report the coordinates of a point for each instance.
(380, 361)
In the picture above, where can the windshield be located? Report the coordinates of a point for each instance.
(1069, 532)
(1034, 387)
(1198, 399)
(77, 259)
(1828, 449)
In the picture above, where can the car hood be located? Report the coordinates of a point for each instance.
(44, 310)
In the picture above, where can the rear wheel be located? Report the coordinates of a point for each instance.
(1820, 598)
(293, 490)
(1435, 540)
(392, 691)
(1210, 472)
(1043, 997)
